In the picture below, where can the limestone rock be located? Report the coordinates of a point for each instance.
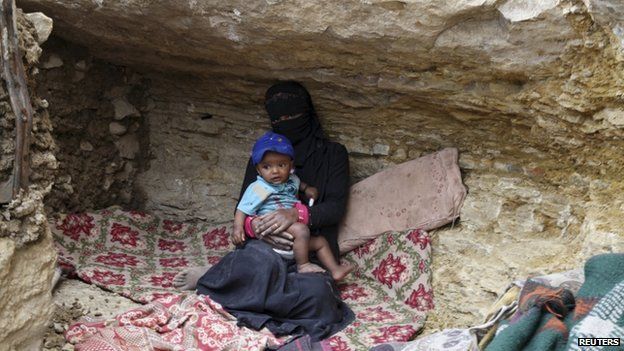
(27, 255)
(128, 146)
(124, 109)
(81, 65)
(381, 149)
(86, 146)
(117, 128)
(614, 116)
(53, 61)
(42, 23)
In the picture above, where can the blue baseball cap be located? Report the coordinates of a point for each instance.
(271, 142)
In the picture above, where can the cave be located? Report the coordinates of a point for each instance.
(154, 107)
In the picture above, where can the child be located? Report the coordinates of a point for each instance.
(275, 188)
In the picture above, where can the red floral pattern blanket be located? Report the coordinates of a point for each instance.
(176, 322)
(137, 255)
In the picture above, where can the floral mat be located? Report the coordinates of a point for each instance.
(137, 255)
(176, 322)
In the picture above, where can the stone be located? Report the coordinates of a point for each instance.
(117, 128)
(400, 155)
(614, 116)
(86, 146)
(522, 10)
(53, 61)
(128, 146)
(381, 149)
(43, 25)
(81, 65)
(124, 109)
(31, 308)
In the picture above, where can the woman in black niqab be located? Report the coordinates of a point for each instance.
(318, 162)
(254, 283)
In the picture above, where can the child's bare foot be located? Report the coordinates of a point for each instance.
(309, 268)
(341, 272)
(187, 280)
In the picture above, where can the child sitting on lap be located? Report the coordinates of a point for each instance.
(277, 187)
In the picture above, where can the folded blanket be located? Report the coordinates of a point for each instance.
(551, 318)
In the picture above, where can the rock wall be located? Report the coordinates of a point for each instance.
(96, 110)
(531, 92)
(27, 257)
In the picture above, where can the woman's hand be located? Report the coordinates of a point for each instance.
(271, 227)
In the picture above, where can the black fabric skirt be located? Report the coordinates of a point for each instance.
(262, 289)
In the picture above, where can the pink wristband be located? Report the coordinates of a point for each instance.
(302, 210)
(247, 226)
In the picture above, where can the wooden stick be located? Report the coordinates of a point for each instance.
(17, 88)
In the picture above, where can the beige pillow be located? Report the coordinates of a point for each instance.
(424, 193)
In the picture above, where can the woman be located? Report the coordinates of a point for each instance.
(318, 162)
(256, 284)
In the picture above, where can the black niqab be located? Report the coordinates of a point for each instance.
(291, 112)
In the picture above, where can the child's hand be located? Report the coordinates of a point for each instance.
(238, 236)
(311, 193)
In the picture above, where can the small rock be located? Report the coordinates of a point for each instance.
(107, 183)
(43, 25)
(400, 154)
(48, 344)
(615, 116)
(134, 127)
(58, 328)
(111, 168)
(81, 65)
(124, 109)
(117, 128)
(535, 95)
(90, 297)
(53, 61)
(381, 149)
(412, 154)
(98, 314)
(86, 146)
(128, 146)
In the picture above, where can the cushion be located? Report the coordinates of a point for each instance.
(423, 193)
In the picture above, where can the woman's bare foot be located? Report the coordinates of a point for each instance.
(341, 272)
(187, 280)
(309, 268)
